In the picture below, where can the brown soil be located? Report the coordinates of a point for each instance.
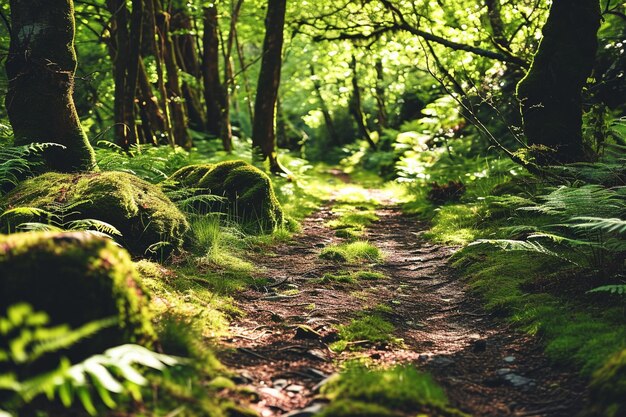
(444, 329)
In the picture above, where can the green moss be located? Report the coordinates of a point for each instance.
(76, 278)
(139, 210)
(250, 196)
(386, 391)
(352, 252)
(352, 277)
(369, 327)
(195, 294)
(608, 388)
(574, 332)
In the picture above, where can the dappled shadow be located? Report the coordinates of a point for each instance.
(442, 328)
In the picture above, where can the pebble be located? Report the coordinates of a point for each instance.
(294, 388)
(442, 361)
(509, 359)
(518, 381)
(280, 383)
(309, 411)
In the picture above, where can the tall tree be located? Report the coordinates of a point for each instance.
(40, 67)
(263, 129)
(551, 93)
(356, 107)
(213, 94)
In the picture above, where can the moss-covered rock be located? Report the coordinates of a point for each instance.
(76, 278)
(139, 210)
(248, 190)
(608, 389)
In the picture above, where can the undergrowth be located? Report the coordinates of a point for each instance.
(363, 391)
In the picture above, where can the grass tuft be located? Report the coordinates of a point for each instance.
(352, 252)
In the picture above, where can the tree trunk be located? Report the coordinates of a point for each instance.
(551, 93)
(356, 108)
(263, 130)
(157, 49)
(244, 74)
(211, 71)
(175, 99)
(380, 95)
(328, 120)
(188, 61)
(121, 48)
(152, 118)
(40, 68)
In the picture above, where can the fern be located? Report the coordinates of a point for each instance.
(521, 246)
(152, 163)
(20, 162)
(611, 225)
(57, 219)
(27, 338)
(619, 289)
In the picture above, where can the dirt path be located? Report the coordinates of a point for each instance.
(487, 368)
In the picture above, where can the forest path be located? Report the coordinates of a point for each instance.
(486, 368)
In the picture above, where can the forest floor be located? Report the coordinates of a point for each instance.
(280, 346)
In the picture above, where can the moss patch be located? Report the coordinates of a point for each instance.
(608, 388)
(76, 278)
(250, 196)
(385, 392)
(352, 277)
(352, 252)
(149, 222)
(574, 329)
(369, 327)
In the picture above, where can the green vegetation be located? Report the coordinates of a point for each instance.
(149, 223)
(361, 391)
(370, 327)
(352, 252)
(248, 190)
(158, 157)
(76, 278)
(352, 277)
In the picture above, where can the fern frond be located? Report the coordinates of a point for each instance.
(26, 211)
(610, 225)
(619, 289)
(39, 227)
(93, 225)
(521, 246)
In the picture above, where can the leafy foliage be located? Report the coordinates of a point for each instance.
(28, 339)
(57, 217)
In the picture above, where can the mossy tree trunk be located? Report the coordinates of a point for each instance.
(263, 129)
(551, 93)
(40, 67)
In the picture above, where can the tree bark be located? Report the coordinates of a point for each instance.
(551, 93)
(188, 61)
(211, 71)
(263, 130)
(328, 120)
(380, 95)
(356, 108)
(172, 84)
(40, 68)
